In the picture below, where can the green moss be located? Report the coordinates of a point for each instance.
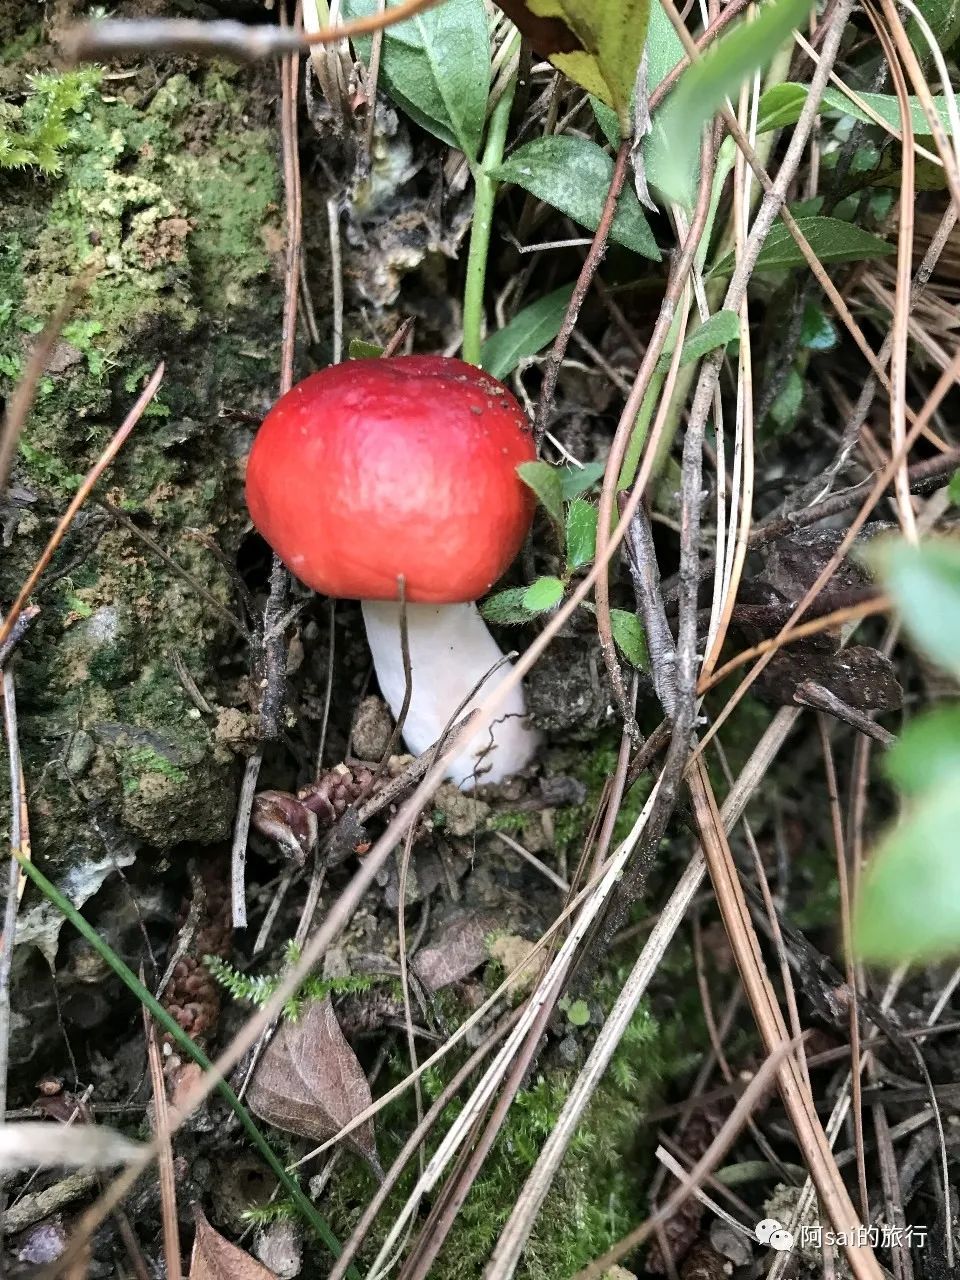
(167, 198)
(597, 1195)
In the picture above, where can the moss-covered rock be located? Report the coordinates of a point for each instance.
(162, 190)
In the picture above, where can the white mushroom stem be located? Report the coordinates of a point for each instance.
(451, 651)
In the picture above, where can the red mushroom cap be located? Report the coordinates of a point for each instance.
(376, 468)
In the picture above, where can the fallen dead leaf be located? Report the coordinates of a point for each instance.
(214, 1258)
(456, 951)
(310, 1083)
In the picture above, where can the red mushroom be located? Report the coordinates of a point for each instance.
(377, 469)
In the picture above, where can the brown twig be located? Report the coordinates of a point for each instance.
(811, 694)
(115, 37)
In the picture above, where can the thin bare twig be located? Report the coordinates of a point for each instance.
(114, 37)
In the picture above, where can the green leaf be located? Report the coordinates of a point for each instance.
(607, 120)
(630, 638)
(577, 480)
(943, 17)
(926, 753)
(546, 483)
(673, 150)
(542, 595)
(953, 489)
(909, 908)
(574, 175)
(581, 533)
(506, 608)
(716, 331)
(788, 402)
(360, 350)
(781, 105)
(528, 332)
(830, 239)
(436, 66)
(664, 51)
(596, 43)
(817, 331)
(925, 582)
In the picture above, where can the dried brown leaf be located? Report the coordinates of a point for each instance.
(459, 948)
(214, 1258)
(310, 1083)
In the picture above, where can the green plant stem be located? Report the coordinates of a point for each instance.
(482, 226)
(133, 984)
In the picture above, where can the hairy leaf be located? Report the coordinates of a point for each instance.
(528, 332)
(506, 608)
(545, 593)
(581, 533)
(673, 150)
(310, 1083)
(436, 66)
(830, 239)
(630, 638)
(574, 175)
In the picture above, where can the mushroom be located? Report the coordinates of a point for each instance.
(374, 471)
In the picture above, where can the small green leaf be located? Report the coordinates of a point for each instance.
(716, 331)
(546, 483)
(925, 582)
(581, 533)
(943, 18)
(528, 332)
(673, 150)
(436, 67)
(578, 1013)
(780, 105)
(830, 239)
(953, 489)
(574, 175)
(577, 480)
(506, 608)
(927, 752)
(360, 350)
(630, 638)
(817, 331)
(909, 908)
(542, 595)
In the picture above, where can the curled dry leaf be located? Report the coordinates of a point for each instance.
(214, 1258)
(310, 1083)
(28, 1145)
